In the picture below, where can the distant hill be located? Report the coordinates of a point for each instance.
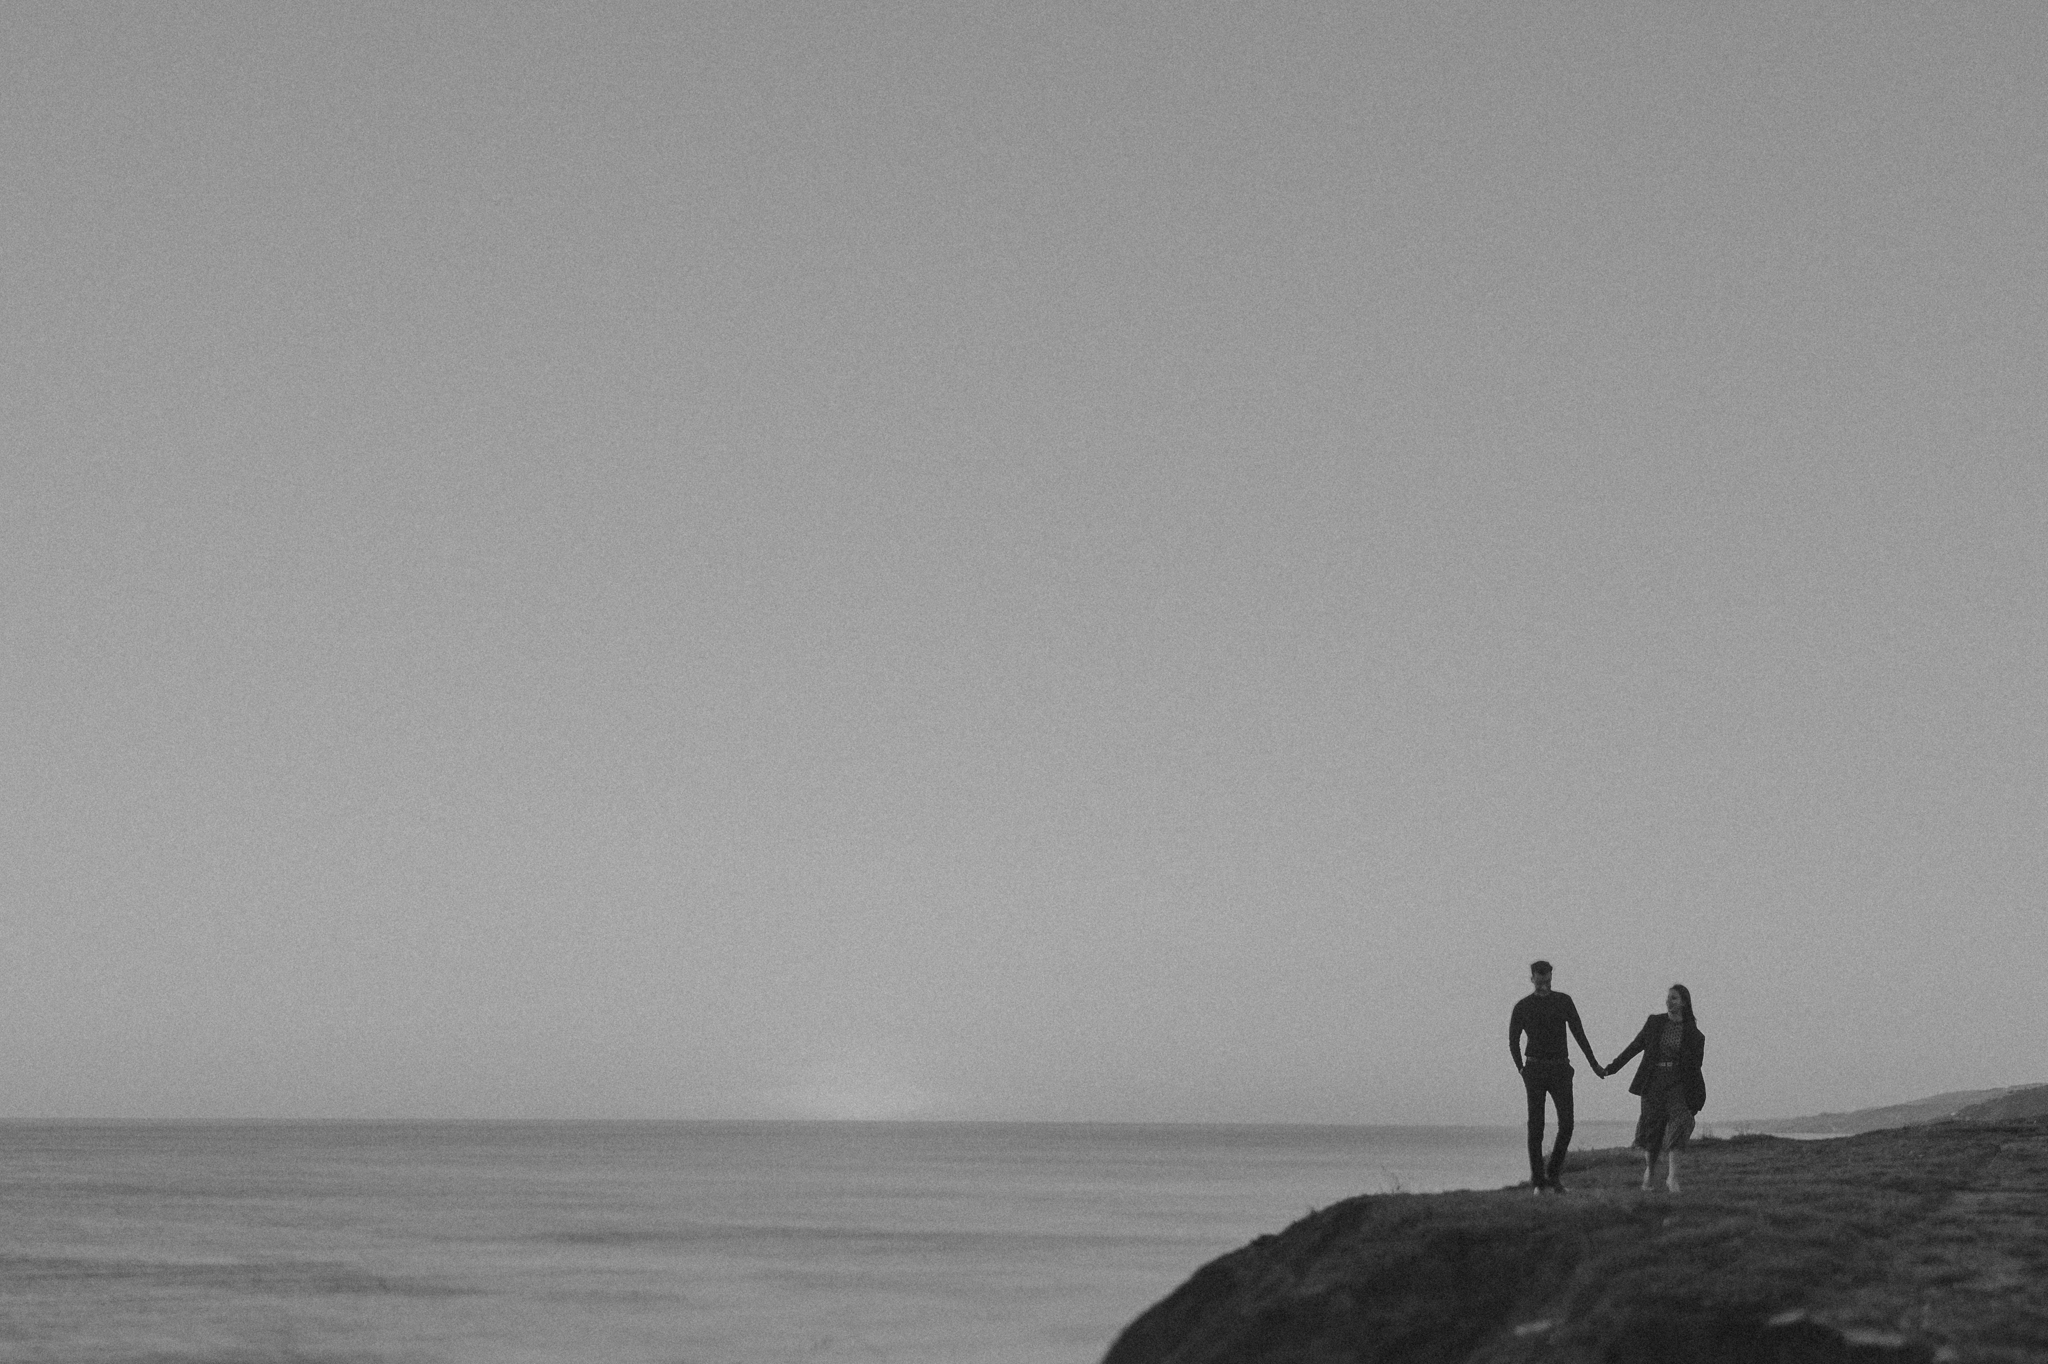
(2012, 1101)
(2028, 1101)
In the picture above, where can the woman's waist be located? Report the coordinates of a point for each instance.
(1680, 1064)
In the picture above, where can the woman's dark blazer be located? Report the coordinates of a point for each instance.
(1692, 1053)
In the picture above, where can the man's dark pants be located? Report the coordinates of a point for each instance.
(1555, 1079)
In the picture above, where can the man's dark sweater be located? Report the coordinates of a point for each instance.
(1545, 1017)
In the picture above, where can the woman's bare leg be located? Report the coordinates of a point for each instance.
(1649, 1162)
(1671, 1170)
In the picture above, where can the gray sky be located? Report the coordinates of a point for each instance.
(1016, 561)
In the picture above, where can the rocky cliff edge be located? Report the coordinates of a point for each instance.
(1922, 1244)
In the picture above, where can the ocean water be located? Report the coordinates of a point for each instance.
(676, 1243)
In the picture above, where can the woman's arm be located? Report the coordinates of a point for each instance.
(1642, 1040)
(1695, 1082)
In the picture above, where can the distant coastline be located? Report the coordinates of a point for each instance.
(1982, 1105)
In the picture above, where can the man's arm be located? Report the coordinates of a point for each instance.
(1516, 1026)
(1579, 1032)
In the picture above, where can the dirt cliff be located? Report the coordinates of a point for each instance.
(1917, 1244)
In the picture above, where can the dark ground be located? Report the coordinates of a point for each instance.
(1921, 1244)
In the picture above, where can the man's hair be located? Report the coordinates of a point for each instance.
(1539, 968)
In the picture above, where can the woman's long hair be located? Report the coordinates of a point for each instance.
(1692, 1024)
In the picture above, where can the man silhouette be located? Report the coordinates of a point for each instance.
(1544, 1015)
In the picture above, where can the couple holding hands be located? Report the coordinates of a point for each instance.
(1668, 1079)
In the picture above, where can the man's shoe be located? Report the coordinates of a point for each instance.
(1555, 1185)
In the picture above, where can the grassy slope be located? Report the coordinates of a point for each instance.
(1923, 1243)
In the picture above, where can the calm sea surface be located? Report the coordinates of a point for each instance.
(685, 1243)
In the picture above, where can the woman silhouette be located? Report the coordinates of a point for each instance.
(1669, 1081)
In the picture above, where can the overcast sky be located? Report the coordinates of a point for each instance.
(1016, 560)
